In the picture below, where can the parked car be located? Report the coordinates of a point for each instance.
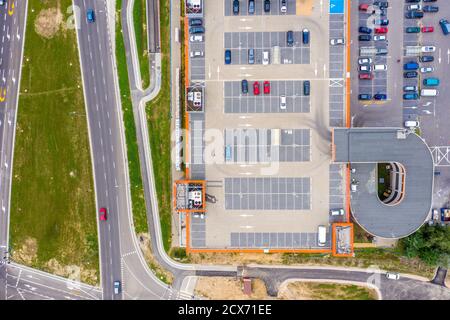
(410, 96)
(431, 82)
(410, 88)
(381, 30)
(380, 67)
(290, 38)
(381, 4)
(379, 37)
(256, 90)
(412, 1)
(283, 102)
(103, 214)
(430, 9)
(411, 65)
(381, 51)
(429, 0)
(412, 29)
(365, 30)
(365, 76)
(90, 15)
(364, 96)
(426, 59)
(196, 30)
(265, 58)
(364, 6)
(251, 56)
(364, 37)
(412, 124)
(195, 22)
(283, 6)
(364, 61)
(410, 74)
(251, 6)
(427, 29)
(305, 36)
(244, 86)
(365, 68)
(235, 7)
(337, 212)
(428, 49)
(227, 56)
(445, 26)
(306, 87)
(413, 14)
(392, 276)
(337, 41)
(266, 87)
(196, 38)
(266, 6)
(381, 22)
(380, 96)
(414, 7)
(197, 54)
(426, 69)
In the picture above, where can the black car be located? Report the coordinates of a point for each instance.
(430, 9)
(235, 7)
(364, 37)
(413, 1)
(414, 14)
(195, 22)
(266, 5)
(290, 38)
(410, 74)
(380, 96)
(306, 87)
(426, 58)
(244, 86)
(429, 0)
(381, 4)
(365, 30)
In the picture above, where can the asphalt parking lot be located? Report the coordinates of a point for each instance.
(237, 102)
(274, 8)
(240, 42)
(260, 145)
(276, 240)
(197, 64)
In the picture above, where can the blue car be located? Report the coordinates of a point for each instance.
(236, 7)
(227, 56)
(410, 96)
(90, 15)
(365, 30)
(364, 96)
(380, 96)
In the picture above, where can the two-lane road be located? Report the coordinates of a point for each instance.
(106, 148)
(12, 27)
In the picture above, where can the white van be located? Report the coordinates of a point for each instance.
(322, 236)
(429, 92)
(380, 67)
(265, 60)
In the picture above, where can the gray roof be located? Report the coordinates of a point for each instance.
(364, 148)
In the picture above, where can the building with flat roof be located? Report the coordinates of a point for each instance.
(364, 148)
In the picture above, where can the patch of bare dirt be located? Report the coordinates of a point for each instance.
(27, 253)
(220, 288)
(72, 272)
(235, 258)
(48, 22)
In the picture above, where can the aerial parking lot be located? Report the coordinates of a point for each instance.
(273, 86)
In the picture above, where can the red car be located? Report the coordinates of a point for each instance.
(427, 29)
(381, 30)
(102, 214)
(256, 88)
(266, 87)
(363, 6)
(365, 76)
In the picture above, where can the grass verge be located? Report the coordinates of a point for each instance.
(158, 116)
(53, 218)
(134, 167)
(140, 29)
(327, 291)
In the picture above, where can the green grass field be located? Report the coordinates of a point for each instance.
(158, 114)
(134, 167)
(140, 28)
(332, 291)
(53, 218)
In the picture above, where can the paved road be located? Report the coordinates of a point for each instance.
(23, 283)
(12, 27)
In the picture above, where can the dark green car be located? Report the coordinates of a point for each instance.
(413, 30)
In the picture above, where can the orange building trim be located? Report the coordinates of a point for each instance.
(333, 239)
